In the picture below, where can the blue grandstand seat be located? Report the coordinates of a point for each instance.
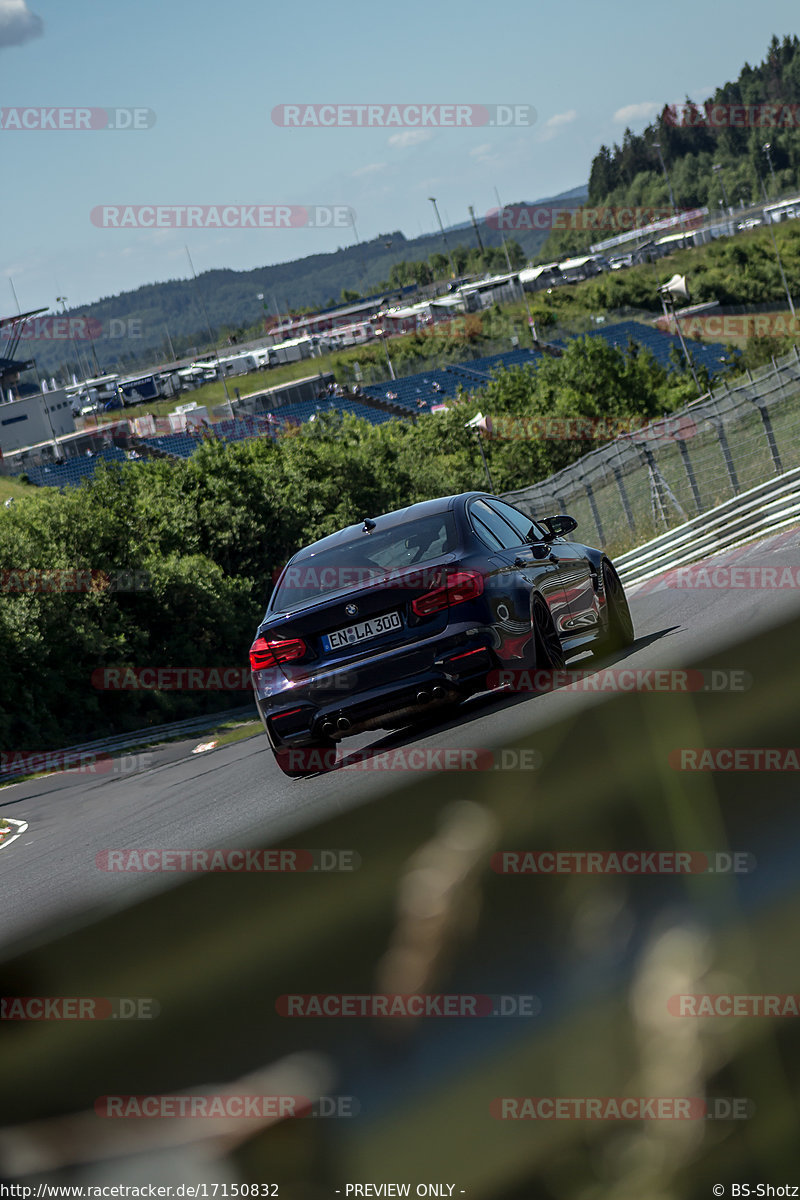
(711, 355)
(303, 410)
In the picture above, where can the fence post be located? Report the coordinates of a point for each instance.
(624, 497)
(595, 512)
(766, 420)
(688, 467)
(726, 454)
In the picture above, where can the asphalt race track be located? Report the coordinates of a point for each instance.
(236, 796)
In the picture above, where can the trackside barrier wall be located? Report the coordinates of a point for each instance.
(642, 484)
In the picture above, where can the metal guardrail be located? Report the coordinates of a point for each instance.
(110, 745)
(765, 508)
(718, 448)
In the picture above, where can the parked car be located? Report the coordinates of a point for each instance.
(392, 618)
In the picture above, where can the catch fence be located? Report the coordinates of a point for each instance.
(651, 479)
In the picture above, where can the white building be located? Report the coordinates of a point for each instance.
(575, 270)
(34, 419)
(534, 279)
(786, 210)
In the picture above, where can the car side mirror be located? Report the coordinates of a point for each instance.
(560, 526)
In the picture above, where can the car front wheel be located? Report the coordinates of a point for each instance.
(619, 624)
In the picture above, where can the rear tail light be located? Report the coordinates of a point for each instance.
(461, 586)
(269, 654)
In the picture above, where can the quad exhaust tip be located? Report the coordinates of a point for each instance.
(423, 697)
(328, 727)
(437, 692)
(343, 723)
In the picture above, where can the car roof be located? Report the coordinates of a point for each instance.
(386, 521)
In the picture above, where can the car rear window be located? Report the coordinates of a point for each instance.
(364, 557)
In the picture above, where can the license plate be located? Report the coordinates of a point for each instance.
(362, 632)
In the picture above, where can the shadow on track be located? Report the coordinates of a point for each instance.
(475, 708)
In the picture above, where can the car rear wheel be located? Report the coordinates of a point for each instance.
(547, 653)
(619, 623)
(298, 762)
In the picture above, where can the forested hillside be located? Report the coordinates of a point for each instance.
(182, 310)
(702, 134)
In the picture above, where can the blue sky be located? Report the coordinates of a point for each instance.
(213, 72)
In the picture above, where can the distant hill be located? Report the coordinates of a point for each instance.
(227, 300)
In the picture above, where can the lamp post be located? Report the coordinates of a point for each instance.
(784, 280)
(62, 300)
(210, 334)
(669, 183)
(478, 423)
(767, 148)
(717, 169)
(502, 235)
(667, 296)
(471, 212)
(265, 310)
(531, 323)
(382, 335)
(444, 239)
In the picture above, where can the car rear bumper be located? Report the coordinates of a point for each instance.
(334, 704)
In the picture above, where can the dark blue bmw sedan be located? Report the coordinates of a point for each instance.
(386, 622)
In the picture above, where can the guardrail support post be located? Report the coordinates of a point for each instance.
(624, 497)
(766, 420)
(595, 512)
(688, 467)
(726, 454)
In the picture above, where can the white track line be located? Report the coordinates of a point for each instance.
(22, 826)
